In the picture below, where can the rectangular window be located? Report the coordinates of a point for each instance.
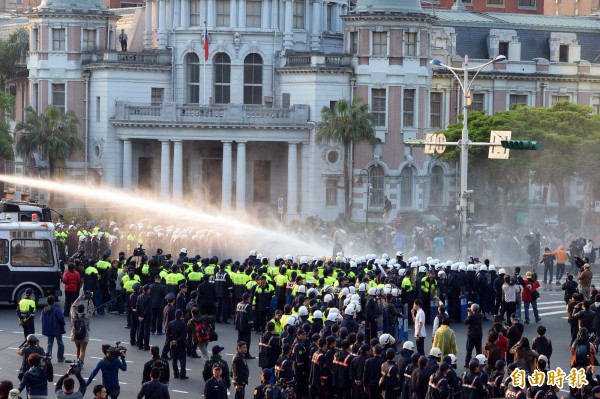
(378, 108)
(503, 49)
(156, 96)
(408, 108)
(495, 2)
(563, 53)
(58, 95)
(332, 105)
(556, 99)
(3, 251)
(436, 110)
(329, 16)
(477, 102)
(34, 96)
(88, 41)
(223, 12)
(58, 39)
(253, 10)
(31, 253)
(410, 44)
(596, 105)
(195, 13)
(35, 39)
(331, 192)
(353, 43)
(379, 44)
(97, 109)
(526, 3)
(298, 14)
(518, 99)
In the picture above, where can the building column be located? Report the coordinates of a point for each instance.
(177, 170)
(148, 27)
(169, 15)
(165, 166)
(176, 13)
(336, 20)
(185, 14)
(292, 191)
(240, 175)
(265, 14)
(288, 35)
(226, 180)
(211, 15)
(233, 13)
(162, 26)
(155, 19)
(242, 14)
(127, 164)
(315, 37)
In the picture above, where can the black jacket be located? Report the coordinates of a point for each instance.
(244, 317)
(372, 371)
(154, 390)
(177, 331)
(144, 306)
(158, 293)
(419, 383)
(159, 363)
(207, 292)
(239, 370)
(474, 323)
(215, 389)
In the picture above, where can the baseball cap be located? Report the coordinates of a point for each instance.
(216, 366)
(182, 286)
(169, 296)
(178, 313)
(216, 349)
(146, 287)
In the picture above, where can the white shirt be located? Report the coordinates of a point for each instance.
(510, 292)
(420, 318)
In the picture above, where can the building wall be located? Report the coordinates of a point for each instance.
(508, 6)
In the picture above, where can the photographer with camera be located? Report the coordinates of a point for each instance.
(38, 376)
(81, 314)
(65, 386)
(114, 360)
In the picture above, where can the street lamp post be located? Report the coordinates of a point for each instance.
(360, 177)
(465, 86)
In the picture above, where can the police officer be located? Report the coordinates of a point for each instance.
(244, 320)
(26, 313)
(283, 367)
(341, 370)
(135, 322)
(224, 293)
(215, 387)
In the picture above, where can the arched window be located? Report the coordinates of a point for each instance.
(222, 67)
(436, 188)
(406, 187)
(192, 63)
(377, 188)
(253, 79)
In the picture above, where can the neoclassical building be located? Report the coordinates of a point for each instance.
(232, 121)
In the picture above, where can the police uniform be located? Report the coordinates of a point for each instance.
(26, 314)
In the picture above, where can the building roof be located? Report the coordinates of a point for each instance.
(71, 5)
(389, 6)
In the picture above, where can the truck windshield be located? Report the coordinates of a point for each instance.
(31, 253)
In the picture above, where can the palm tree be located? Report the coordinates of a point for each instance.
(52, 133)
(347, 123)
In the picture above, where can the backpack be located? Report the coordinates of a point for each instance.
(541, 345)
(202, 332)
(79, 328)
(274, 391)
(582, 354)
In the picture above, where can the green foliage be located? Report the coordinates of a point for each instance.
(7, 103)
(12, 50)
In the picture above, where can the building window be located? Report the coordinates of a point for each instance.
(58, 39)
(193, 78)
(379, 44)
(329, 17)
(477, 102)
(35, 39)
(556, 99)
(435, 120)
(156, 96)
(253, 10)
(35, 92)
(408, 108)
(377, 186)
(378, 107)
(518, 99)
(495, 2)
(331, 192)
(563, 53)
(194, 12)
(98, 107)
(333, 105)
(223, 12)
(222, 78)
(436, 191)
(88, 41)
(253, 78)
(406, 187)
(503, 49)
(526, 3)
(58, 95)
(410, 44)
(353, 43)
(298, 14)
(596, 105)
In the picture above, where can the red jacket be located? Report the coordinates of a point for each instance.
(71, 280)
(528, 289)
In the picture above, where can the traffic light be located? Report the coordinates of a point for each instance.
(521, 144)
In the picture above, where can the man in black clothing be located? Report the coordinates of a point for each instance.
(515, 332)
(240, 370)
(244, 321)
(154, 389)
(158, 293)
(176, 335)
(319, 372)
(144, 314)
(135, 322)
(357, 369)
(474, 322)
(156, 363)
(208, 297)
(181, 300)
(168, 316)
(283, 366)
(408, 348)
(473, 386)
(224, 293)
(373, 372)
(215, 387)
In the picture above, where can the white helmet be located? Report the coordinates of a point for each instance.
(470, 268)
(422, 269)
(318, 314)
(288, 257)
(352, 263)
(334, 310)
(328, 298)
(352, 289)
(328, 289)
(482, 359)
(452, 359)
(302, 289)
(252, 252)
(304, 259)
(435, 352)
(385, 256)
(303, 311)
(387, 291)
(346, 302)
(492, 268)
(441, 273)
(399, 253)
(483, 268)
(501, 271)
(454, 266)
(332, 316)
(402, 272)
(362, 287)
(439, 266)
(395, 292)
(462, 267)
(355, 297)
(409, 346)
(413, 265)
(312, 291)
(372, 291)
(544, 358)
(429, 259)
(292, 320)
(449, 263)
(383, 262)
(345, 291)
(350, 309)
(260, 256)
(419, 263)
(386, 339)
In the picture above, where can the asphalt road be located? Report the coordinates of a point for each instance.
(110, 328)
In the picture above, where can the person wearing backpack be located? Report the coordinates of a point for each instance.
(81, 314)
(199, 328)
(541, 344)
(582, 351)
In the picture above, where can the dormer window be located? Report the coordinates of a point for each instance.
(503, 49)
(563, 53)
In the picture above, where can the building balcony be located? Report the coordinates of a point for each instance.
(317, 60)
(154, 58)
(225, 115)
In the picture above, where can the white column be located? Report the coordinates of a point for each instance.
(233, 13)
(242, 14)
(292, 191)
(240, 175)
(226, 180)
(165, 166)
(288, 36)
(176, 13)
(315, 39)
(211, 14)
(155, 19)
(185, 14)
(169, 15)
(162, 27)
(127, 164)
(336, 21)
(148, 27)
(177, 170)
(265, 14)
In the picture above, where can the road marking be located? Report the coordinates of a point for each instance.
(552, 313)
(17, 332)
(549, 302)
(175, 390)
(10, 347)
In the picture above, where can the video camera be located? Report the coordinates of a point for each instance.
(116, 351)
(76, 367)
(139, 251)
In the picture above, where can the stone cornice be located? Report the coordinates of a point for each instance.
(166, 124)
(128, 67)
(305, 70)
(392, 17)
(513, 76)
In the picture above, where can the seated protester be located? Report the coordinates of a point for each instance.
(65, 386)
(582, 351)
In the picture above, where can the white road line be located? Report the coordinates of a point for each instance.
(10, 347)
(551, 313)
(549, 302)
(17, 332)
(175, 390)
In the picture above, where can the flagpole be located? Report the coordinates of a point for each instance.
(205, 36)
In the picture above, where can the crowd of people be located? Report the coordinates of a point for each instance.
(327, 327)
